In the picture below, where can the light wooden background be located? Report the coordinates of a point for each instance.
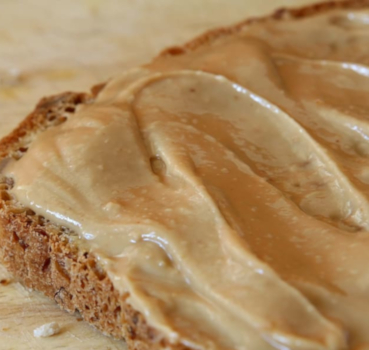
(49, 46)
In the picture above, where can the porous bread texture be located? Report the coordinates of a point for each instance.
(45, 256)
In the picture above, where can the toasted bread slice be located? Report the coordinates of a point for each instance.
(41, 254)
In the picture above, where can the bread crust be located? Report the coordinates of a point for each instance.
(42, 254)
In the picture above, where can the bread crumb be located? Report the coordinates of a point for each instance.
(4, 282)
(47, 330)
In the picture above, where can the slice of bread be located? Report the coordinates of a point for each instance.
(40, 252)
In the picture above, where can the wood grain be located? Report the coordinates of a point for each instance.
(49, 46)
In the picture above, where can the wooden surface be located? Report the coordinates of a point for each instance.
(49, 46)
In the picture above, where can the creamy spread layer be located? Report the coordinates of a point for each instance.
(227, 189)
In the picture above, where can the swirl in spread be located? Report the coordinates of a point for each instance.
(227, 189)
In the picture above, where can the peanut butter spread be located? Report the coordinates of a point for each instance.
(226, 189)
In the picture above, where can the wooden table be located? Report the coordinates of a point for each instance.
(49, 46)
